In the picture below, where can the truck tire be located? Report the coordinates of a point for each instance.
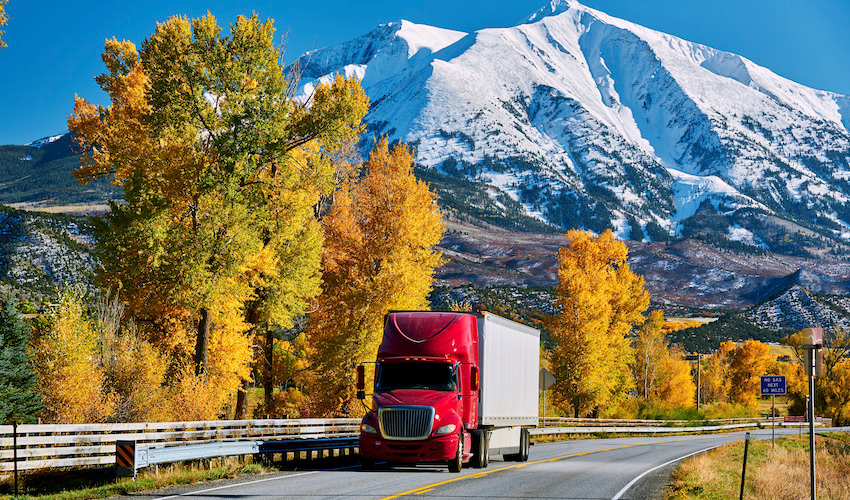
(367, 463)
(480, 448)
(456, 464)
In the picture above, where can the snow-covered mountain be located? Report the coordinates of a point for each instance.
(580, 119)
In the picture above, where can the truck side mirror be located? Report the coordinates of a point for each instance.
(361, 379)
(473, 383)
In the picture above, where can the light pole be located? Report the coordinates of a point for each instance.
(814, 366)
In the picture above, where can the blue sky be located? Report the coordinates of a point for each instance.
(54, 47)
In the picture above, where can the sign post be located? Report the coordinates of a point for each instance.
(773, 385)
(546, 379)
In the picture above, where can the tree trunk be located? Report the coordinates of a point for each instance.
(202, 344)
(242, 401)
(268, 370)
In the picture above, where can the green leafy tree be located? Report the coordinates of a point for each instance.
(20, 401)
(217, 240)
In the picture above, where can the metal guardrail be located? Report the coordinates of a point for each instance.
(146, 456)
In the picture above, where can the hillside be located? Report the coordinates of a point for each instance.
(40, 176)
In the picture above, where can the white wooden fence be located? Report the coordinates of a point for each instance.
(608, 422)
(68, 445)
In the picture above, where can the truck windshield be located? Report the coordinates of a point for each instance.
(432, 376)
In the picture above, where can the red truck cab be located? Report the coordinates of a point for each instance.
(425, 401)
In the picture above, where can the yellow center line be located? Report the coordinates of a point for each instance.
(432, 487)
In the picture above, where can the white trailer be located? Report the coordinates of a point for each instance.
(509, 361)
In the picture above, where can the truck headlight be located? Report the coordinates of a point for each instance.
(446, 429)
(368, 429)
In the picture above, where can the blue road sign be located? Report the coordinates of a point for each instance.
(773, 385)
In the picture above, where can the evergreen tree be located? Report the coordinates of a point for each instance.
(20, 402)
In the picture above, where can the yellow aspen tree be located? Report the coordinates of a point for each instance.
(650, 347)
(136, 374)
(676, 386)
(716, 373)
(601, 300)
(72, 379)
(750, 361)
(3, 20)
(832, 392)
(661, 372)
(379, 239)
(796, 384)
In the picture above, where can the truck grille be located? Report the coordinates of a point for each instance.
(406, 422)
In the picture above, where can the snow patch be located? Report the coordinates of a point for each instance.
(40, 143)
(555, 7)
(689, 191)
(737, 233)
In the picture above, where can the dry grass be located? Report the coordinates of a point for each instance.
(780, 474)
(781, 350)
(78, 209)
(701, 320)
(766, 406)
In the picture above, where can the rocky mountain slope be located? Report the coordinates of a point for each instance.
(40, 254)
(40, 175)
(578, 119)
(681, 272)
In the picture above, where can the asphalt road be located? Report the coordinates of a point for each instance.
(611, 469)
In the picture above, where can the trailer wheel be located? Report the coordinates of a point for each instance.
(525, 445)
(480, 448)
(457, 464)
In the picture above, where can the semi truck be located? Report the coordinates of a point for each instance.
(450, 388)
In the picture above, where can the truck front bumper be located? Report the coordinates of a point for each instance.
(431, 450)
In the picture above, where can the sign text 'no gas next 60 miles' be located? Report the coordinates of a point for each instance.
(773, 385)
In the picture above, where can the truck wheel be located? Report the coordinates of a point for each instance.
(480, 449)
(457, 464)
(367, 463)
